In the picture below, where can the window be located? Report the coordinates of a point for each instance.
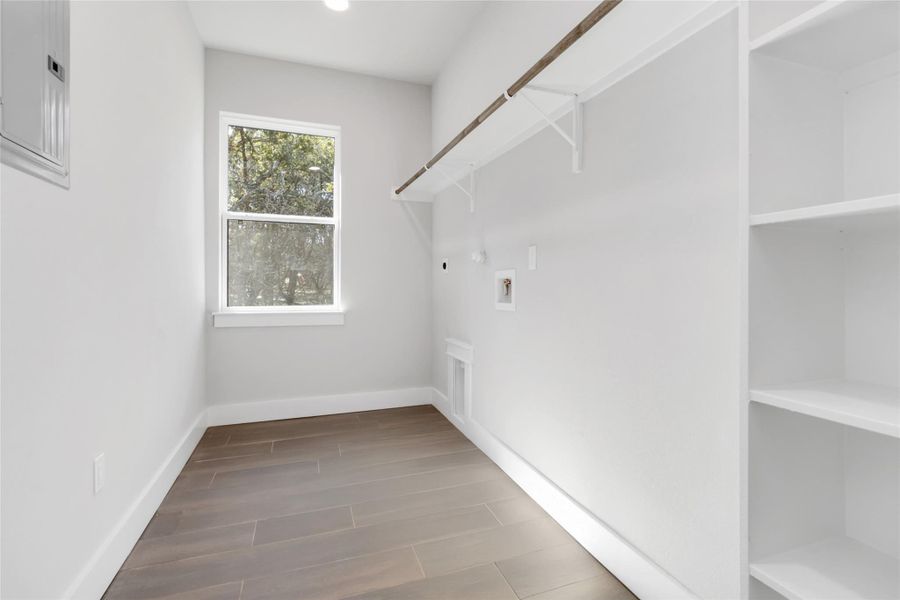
(280, 213)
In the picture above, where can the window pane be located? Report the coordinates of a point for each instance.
(280, 264)
(280, 173)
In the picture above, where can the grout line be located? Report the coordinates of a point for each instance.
(318, 466)
(241, 593)
(418, 561)
(339, 450)
(559, 587)
(352, 517)
(253, 537)
(211, 479)
(506, 580)
(493, 514)
(206, 460)
(272, 447)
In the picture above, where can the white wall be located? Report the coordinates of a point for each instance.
(102, 294)
(385, 341)
(618, 375)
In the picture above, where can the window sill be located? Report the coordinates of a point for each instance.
(278, 319)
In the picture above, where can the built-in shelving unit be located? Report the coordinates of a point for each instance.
(823, 375)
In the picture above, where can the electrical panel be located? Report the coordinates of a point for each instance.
(34, 87)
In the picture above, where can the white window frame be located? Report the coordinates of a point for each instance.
(260, 316)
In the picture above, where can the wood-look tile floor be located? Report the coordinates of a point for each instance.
(390, 504)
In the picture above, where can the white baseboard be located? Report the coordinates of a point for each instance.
(294, 408)
(639, 573)
(103, 565)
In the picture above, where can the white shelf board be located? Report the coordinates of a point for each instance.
(865, 406)
(632, 35)
(836, 35)
(877, 212)
(832, 569)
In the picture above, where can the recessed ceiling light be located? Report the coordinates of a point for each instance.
(338, 5)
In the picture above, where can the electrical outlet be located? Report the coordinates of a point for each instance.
(99, 472)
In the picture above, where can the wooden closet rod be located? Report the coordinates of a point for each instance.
(561, 46)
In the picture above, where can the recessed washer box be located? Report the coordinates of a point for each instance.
(505, 290)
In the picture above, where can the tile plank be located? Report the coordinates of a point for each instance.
(162, 523)
(424, 503)
(387, 425)
(317, 423)
(453, 554)
(203, 454)
(291, 527)
(364, 434)
(337, 580)
(549, 568)
(393, 454)
(478, 583)
(229, 591)
(176, 547)
(212, 438)
(516, 510)
(235, 463)
(296, 428)
(605, 587)
(418, 438)
(192, 481)
(401, 412)
(274, 475)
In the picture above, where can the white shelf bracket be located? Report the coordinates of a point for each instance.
(576, 140)
(470, 193)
